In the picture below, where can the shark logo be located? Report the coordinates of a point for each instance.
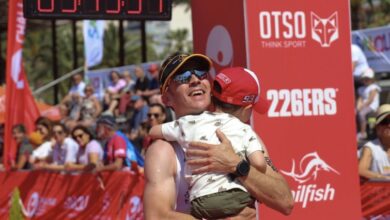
(313, 164)
(324, 30)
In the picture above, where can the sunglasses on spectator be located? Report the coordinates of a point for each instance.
(156, 115)
(185, 77)
(58, 132)
(78, 136)
(385, 122)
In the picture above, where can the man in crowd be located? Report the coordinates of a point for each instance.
(24, 147)
(165, 161)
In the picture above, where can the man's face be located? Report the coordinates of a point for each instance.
(189, 98)
(156, 116)
(59, 134)
(77, 79)
(17, 135)
(101, 131)
(383, 128)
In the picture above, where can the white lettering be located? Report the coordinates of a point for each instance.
(286, 24)
(307, 194)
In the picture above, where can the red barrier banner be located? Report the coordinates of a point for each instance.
(375, 199)
(302, 53)
(46, 195)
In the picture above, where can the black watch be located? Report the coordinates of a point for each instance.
(242, 168)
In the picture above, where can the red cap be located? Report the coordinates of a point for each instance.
(240, 86)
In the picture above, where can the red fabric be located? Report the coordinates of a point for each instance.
(116, 147)
(114, 195)
(20, 104)
(375, 198)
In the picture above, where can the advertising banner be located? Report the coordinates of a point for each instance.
(375, 43)
(46, 195)
(301, 51)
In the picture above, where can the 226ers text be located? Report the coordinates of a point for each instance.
(302, 102)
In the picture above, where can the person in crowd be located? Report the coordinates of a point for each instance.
(128, 91)
(164, 178)
(90, 151)
(142, 83)
(374, 162)
(90, 108)
(43, 126)
(141, 109)
(232, 109)
(153, 88)
(76, 92)
(130, 82)
(113, 92)
(359, 62)
(368, 100)
(24, 148)
(64, 149)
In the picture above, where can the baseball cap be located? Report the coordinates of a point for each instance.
(240, 86)
(382, 113)
(107, 120)
(368, 73)
(177, 61)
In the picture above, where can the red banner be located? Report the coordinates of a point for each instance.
(20, 104)
(301, 50)
(45, 195)
(376, 200)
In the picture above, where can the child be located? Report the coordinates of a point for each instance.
(236, 90)
(368, 100)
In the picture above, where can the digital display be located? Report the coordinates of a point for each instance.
(98, 9)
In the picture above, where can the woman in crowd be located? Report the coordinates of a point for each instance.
(90, 108)
(90, 152)
(112, 94)
(43, 126)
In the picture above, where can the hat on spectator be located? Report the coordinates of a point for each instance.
(382, 113)
(239, 86)
(108, 120)
(35, 138)
(175, 62)
(368, 73)
(135, 98)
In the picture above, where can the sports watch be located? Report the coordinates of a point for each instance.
(242, 168)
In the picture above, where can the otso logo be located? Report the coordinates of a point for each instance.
(314, 164)
(219, 48)
(287, 29)
(310, 166)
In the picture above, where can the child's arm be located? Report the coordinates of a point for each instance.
(257, 160)
(371, 97)
(156, 132)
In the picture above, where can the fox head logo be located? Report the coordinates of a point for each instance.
(324, 30)
(313, 164)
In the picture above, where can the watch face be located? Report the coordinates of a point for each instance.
(243, 168)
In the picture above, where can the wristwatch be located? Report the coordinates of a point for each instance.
(242, 168)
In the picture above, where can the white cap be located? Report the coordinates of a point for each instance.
(368, 73)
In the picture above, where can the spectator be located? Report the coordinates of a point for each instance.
(113, 92)
(90, 108)
(141, 109)
(115, 147)
(64, 150)
(368, 100)
(374, 161)
(76, 92)
(43, 126)
(24, 148)
(90, 152)
(128, 91)
(130, 83)
(359, 61)
(153, 88)
(142, 83)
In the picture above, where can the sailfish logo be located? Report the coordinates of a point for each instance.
(313, 165)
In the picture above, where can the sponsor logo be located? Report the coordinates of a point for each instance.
(75, 204)
(37, 205)
(302, 102)
(287, 29)
(219, 48)
(135, 211)
(310, 166)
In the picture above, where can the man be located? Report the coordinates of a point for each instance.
(374, 161)
(24, 147)
(164, 174)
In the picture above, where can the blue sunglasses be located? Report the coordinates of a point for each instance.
(185, 77)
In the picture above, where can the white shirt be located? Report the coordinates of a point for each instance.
(380, 160)
(202, 128)
(364, 92)
(360, 59)
(43, 151)
(79, 88)
(65, 152)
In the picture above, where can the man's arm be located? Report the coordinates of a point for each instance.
(117, 165)
(269, 188)
(160, 190)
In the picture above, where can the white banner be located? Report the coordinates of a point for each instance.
(93, 41)
(375, 43)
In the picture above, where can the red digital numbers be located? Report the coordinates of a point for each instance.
(137, 11)
(45, 9)
(116, 9)
(72, 9)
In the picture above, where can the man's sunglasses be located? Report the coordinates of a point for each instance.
(185, 77)
(156, 115)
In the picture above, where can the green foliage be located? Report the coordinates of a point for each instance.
(370, 13)
(15, 212)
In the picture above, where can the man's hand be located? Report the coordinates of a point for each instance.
(213, 158)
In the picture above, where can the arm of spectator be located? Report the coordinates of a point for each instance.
(74, 167)
(150, 92)
(359, 103)
(160, 183)
(52, 166)
(371, 97)
(98, 107)
(117, 165)
(365, 164)
(269, 188)
(22, 160)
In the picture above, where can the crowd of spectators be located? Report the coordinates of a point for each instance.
(96, 135)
